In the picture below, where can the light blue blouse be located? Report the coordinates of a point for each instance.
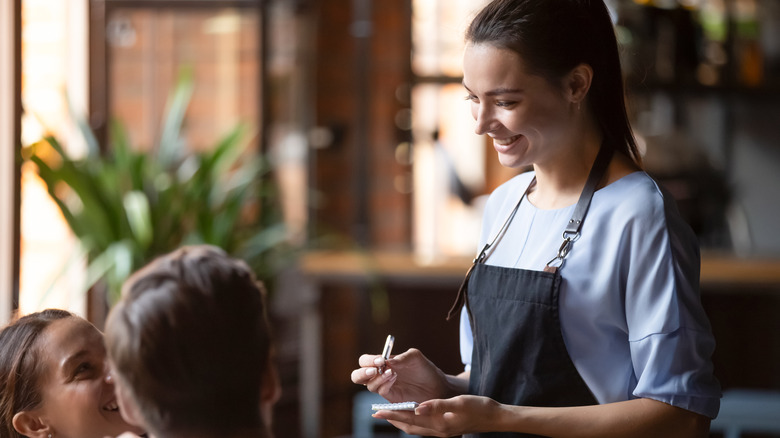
(630, 311)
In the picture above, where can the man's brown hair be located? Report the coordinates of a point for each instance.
(190, 338)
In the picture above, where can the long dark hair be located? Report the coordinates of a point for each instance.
(20, 367)
(553, 37)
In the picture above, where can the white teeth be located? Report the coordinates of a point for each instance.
(506, 141)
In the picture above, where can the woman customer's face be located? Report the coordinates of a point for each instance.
(77, 400)
(526, 115)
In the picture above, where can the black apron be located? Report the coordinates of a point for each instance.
(519, 357)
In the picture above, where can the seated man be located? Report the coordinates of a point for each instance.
(189, 347)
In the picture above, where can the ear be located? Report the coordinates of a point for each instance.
(270, 392)
(128, 407)
(578, 82)
(131, 414)
(30, 425)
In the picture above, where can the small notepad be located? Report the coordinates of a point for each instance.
(403, 406)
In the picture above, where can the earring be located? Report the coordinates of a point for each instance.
(49, 435)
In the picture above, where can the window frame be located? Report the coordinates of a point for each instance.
(10, 141)
(99, 62)
(99, 104)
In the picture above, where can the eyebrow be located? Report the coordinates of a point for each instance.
(497, 91)
(71, 361)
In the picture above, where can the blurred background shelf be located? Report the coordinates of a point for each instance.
(720, 273)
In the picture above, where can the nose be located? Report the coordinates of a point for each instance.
(107, 377)
(484, 117)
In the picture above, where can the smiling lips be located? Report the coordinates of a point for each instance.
(506, 141)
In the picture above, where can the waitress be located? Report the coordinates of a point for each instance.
(581, 315)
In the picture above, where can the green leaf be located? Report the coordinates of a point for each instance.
(138, 216)
(114, 264)
(50, 177)
(128, 204)
(227, 152)
(170, 139)
(264, 241)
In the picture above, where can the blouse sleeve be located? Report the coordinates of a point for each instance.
(670, 338)
(466, 340)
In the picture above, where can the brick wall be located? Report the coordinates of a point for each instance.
(385, 62)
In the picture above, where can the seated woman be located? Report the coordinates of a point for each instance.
(53, 379)
(189, 346)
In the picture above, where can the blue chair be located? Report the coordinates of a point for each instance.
(748, 411)
(363, 424)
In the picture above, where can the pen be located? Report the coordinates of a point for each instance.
(386, 351)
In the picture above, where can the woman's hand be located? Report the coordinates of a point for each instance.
(409, 376)
(455, 416)
(637, 418)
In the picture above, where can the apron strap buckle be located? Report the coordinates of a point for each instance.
(557, 261)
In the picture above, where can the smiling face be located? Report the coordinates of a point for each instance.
(528, 118)
(77, 400)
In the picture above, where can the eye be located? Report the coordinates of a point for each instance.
(84, 370)
(471, 98)
(505, 103)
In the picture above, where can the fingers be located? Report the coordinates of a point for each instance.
(375, 360)
(408, 422)
(433, 407)
(409, 358)
(372, 379)
(415, 430)
(368, 360)
(441, 406)
(372, 365)
(402, 416)
(382, 383)
(376, 373)
(362, 375)
(368, 370)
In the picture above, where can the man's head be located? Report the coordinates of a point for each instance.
(189, 344)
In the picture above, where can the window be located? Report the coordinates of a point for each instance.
(453, 168)
(54, 63)
(148, 47)
(118, 60)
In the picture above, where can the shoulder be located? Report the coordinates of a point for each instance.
(637, 202)
(636, 194)
(646, 214)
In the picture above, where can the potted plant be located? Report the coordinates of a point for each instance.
(127, 206)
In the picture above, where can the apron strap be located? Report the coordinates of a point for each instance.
(461, 299)
(570, 234)
(572, 231)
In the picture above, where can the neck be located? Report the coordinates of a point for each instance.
(559, 182)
